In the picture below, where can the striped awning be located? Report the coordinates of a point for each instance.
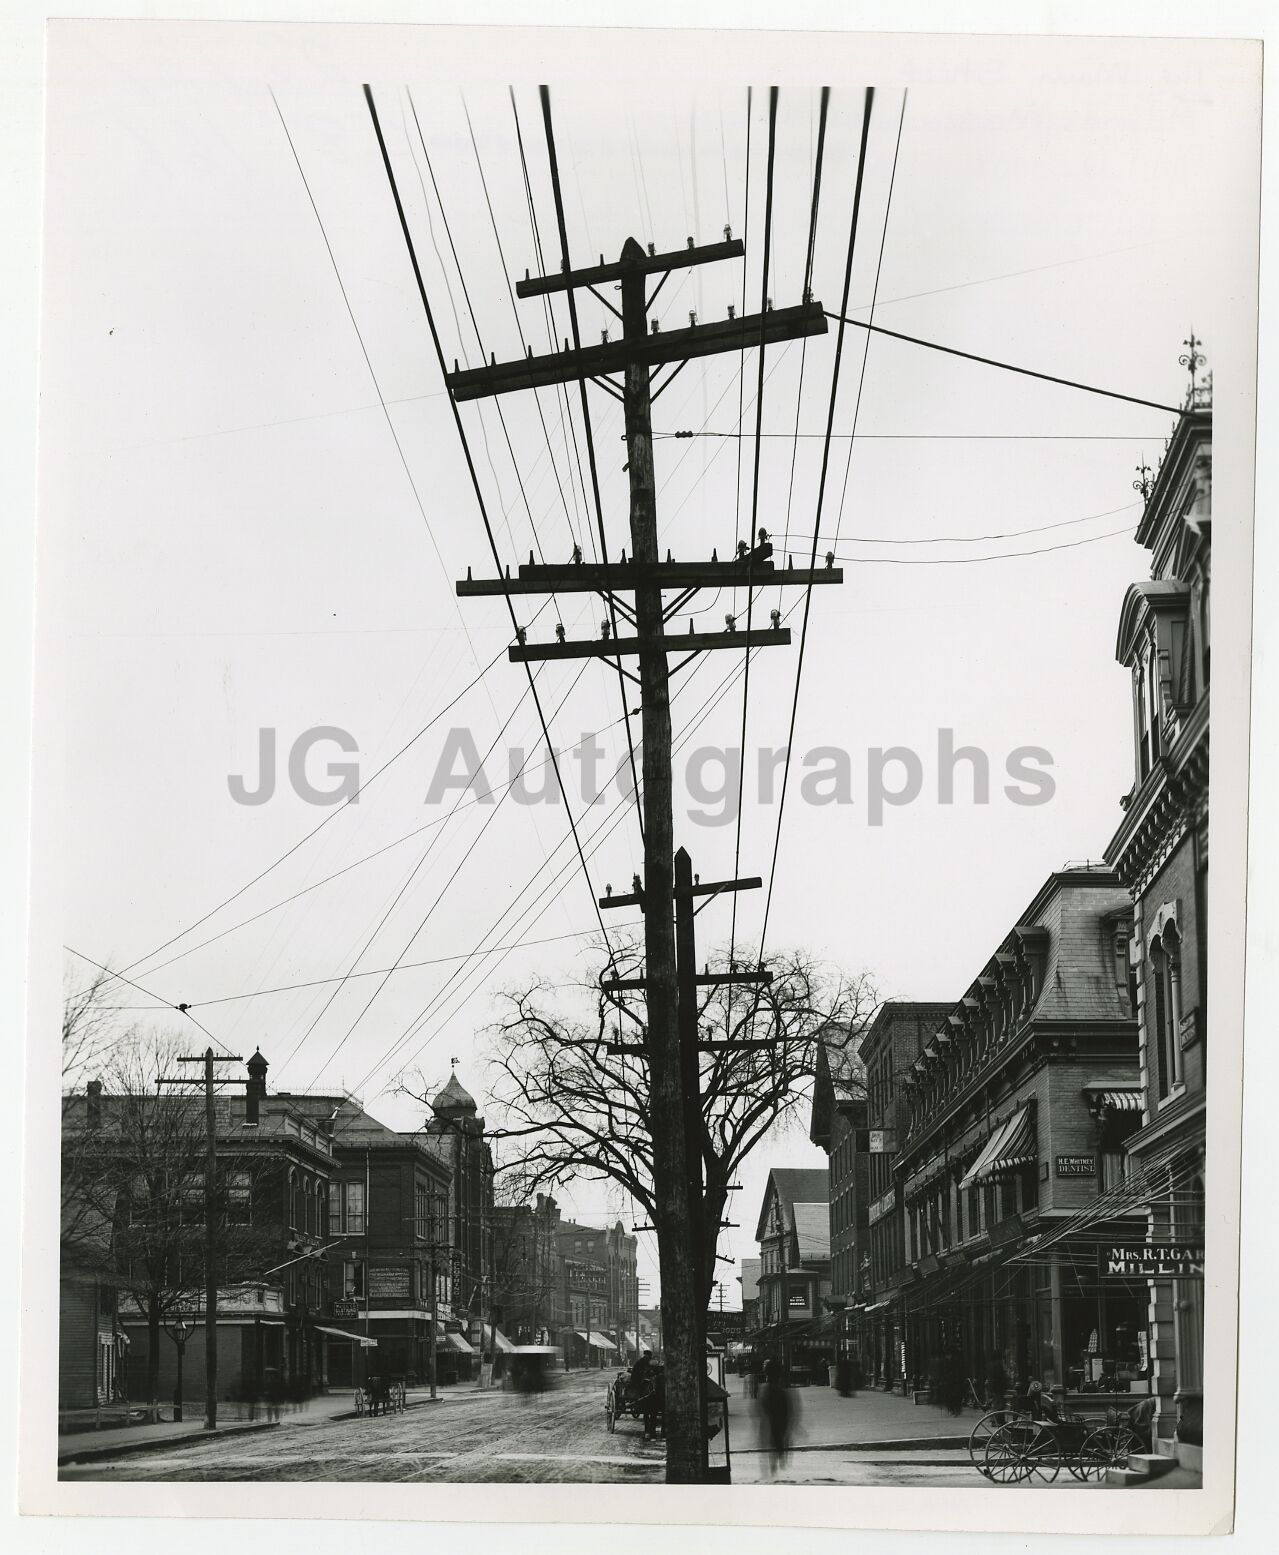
(1109, 1097)
(1012, 1145)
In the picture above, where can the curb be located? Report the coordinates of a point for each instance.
(891, 1444)
(131, 1449)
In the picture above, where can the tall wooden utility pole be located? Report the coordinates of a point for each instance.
(673, 1064)
(208, 1058)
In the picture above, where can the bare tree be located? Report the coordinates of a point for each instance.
(573, 1109)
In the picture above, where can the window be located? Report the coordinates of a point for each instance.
(239, 1198)
(335, 1209)
(353, 1279)
(293, 1200)
(1165, 964)
(354, 1208)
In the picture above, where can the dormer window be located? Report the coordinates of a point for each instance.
(1147, 712)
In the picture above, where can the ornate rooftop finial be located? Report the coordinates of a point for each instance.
(1192, 359)
(1144, 481)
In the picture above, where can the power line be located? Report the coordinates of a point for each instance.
(821, 489)
(1008, 367)
(178, 1009)
(968, 561)
(470, 464)
(426, 853)
(1006, 534)
(288, 853)
(399, 448)
(553, 161)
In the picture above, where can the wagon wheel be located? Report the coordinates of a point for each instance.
(359, 1401)
(981, 1434)
(610, 1415)
(1021, 1450)
(1106, 1448)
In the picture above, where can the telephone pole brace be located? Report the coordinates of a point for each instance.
(670, 1046)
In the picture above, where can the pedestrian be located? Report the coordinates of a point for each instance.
(952, 1381)
(844, 1375)
(996, 1382)
(777, 1416)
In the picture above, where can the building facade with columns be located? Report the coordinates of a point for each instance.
(1160, 851)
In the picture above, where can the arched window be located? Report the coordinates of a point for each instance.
(293, 1200)
(1163, 1013)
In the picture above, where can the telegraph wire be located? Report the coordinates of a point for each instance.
(1006, 534)
(470, 463)
(369, 857)
(821, 492)
(553, 161)
(968, 561)
(399, 448)
(395, 900)
(488, 821)
(288, 853)
(1008, 367)
(770, 164)
(874, 298)
(178, 1009)
(607, 826)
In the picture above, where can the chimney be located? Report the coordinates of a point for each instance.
(94, 1109)
(255, 1089)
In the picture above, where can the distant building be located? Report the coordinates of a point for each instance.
(838, 1126)
(455, 1132)
(528, 1277)
(749, 1281)
(601, 1292)
(793, 1232)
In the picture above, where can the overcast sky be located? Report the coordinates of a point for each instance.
(233, 542)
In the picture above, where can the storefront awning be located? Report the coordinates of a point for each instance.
(340, 1333)
(1115, 1098)
(496, 1339)
(457, 1342)
(1010, 1146)
(600, 1341)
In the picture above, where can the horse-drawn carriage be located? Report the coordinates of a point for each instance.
(639, 1398)
(380, 1396)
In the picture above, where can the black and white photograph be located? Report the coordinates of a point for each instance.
(622, 793)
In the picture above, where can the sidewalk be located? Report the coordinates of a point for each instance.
(868, 1418)
(83, 1446)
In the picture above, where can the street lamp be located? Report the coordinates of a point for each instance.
(179, 1332)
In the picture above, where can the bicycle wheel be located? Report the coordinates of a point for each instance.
(981, 1434)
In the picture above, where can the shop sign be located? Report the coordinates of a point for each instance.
(798, 1296)
(389, 1282)
(1152, 1261)
(345, 1306)
(1076, 1166)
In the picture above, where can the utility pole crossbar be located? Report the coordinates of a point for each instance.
(642, 350)
(631, 647)
(647, 264)
(613, 577)
(702, 980)
(713, 888)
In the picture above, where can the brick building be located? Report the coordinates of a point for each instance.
(134, 1216)
(528, 1273)
(1160, 851)
(889, 1048)
(388, 1220)
(1011, 1147)
(838, 1126)
(600, 1292)
(455, 1133)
